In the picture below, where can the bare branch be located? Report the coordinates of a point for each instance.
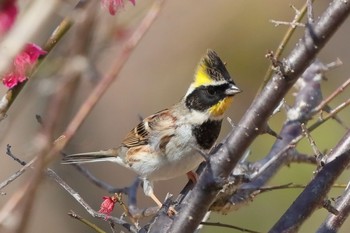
(296, 214)
(282, 152)
(227, 157)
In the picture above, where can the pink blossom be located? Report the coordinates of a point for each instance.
(8, 14)
(10, 80)
(22, 63)
(34, 52)
(114, 5)
(26, 59)
(107, 205)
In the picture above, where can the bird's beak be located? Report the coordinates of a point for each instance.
(232, 90)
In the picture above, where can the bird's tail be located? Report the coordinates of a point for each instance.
(92, 157)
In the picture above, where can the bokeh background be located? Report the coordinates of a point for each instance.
(156, 76)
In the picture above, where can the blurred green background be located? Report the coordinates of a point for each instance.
(156, 76)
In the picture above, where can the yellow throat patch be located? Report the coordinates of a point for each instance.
(219, 108)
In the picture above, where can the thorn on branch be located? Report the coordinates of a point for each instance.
(267, 130)
(327, 204)
(328, 109)
(279, 107)
(296, 11)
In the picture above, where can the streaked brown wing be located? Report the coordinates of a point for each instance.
(137, 136)
(161, 124)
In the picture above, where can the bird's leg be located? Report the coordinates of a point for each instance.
(155, 199)
(192, 176)
(148, 190)
(171, 210)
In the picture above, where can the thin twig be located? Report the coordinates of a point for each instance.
(292, 24)
(11, 95)
(318, 153)
(297, 157)
(51, 174)
(85, 205)
(283, 43)
(332, 96)
(86, 222)
(334, 112)
(17, 174)
(126, 209)
(320, 122)
(130, 191)
(218, 224)
(9, 153)
(99, 183)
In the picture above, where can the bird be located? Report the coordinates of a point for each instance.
(166, 144)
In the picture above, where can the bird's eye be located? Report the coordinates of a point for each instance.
(211, 91)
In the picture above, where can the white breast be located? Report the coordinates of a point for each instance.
(180, 158)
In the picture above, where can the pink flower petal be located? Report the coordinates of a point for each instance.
(10, 80)
(8, 15)
(107, 205)
(21, 78)
(27, 58)
(113, 6)
(34, 51)
(23, 63)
